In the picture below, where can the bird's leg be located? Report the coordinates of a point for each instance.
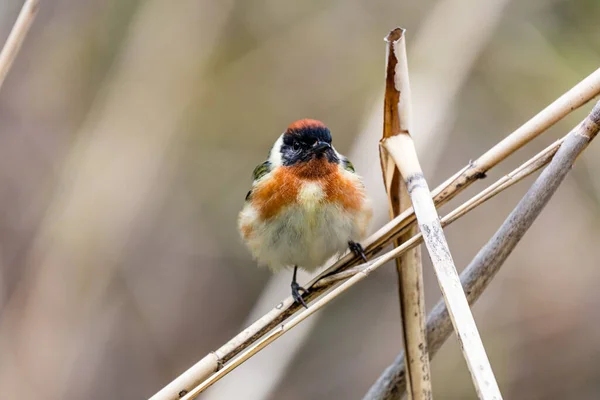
(296, 289)
(357, 249)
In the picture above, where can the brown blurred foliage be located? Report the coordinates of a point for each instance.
(129, 130)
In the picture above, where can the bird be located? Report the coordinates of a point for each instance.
(306, 204)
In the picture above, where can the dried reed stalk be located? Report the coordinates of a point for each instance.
(401, 148)
(17, 36)
(360, 272)
(482, 269)
(397, 120)
(577, 96)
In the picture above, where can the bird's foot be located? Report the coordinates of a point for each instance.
(357, 249)
(297, 295)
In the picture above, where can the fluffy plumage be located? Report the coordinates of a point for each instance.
(306, 201)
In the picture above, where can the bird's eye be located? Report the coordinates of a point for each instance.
(296, 146)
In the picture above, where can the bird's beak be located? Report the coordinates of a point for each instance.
(320, 147)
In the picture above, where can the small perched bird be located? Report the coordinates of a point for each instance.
(306, 204)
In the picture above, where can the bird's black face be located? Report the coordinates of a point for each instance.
(306, 143)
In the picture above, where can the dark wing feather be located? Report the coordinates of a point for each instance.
(348, 166)
(260, 171)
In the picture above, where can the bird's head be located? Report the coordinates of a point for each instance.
(305, 142)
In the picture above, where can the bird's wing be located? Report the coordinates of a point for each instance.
(348, 166)
(260, 171)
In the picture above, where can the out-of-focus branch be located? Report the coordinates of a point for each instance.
(105, 184)
(476, 277)
(17, 36)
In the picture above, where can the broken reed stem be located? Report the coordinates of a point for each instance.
(402, 149)
(397, 120)
(362, 271)
(482, 269)
(17, 36)
(577, 96)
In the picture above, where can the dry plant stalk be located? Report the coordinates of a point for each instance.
(17, 36)
(488, 261)
(362, 271)
(397, 120)
(577, 96)
(402, 149)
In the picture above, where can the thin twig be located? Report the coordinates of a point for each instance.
(17, 36)
(577, 96)
(397, 120)
(402, 149)
(479, 273)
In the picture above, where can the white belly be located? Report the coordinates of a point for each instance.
(304, 236)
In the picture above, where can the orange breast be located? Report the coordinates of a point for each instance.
(343, 191)
(281, 189)
(274, 193)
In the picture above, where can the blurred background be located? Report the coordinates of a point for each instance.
(128, 134)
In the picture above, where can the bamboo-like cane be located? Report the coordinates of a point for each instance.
(362, 271)
(397, 120)
(577, 96)
(402, 149)
(488, 261)
(17, 36)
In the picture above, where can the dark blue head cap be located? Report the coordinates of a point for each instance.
(309, 131)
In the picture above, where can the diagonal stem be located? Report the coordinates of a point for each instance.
(17, 36)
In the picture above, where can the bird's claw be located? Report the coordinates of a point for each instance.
(358, 250)
(296, 289)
